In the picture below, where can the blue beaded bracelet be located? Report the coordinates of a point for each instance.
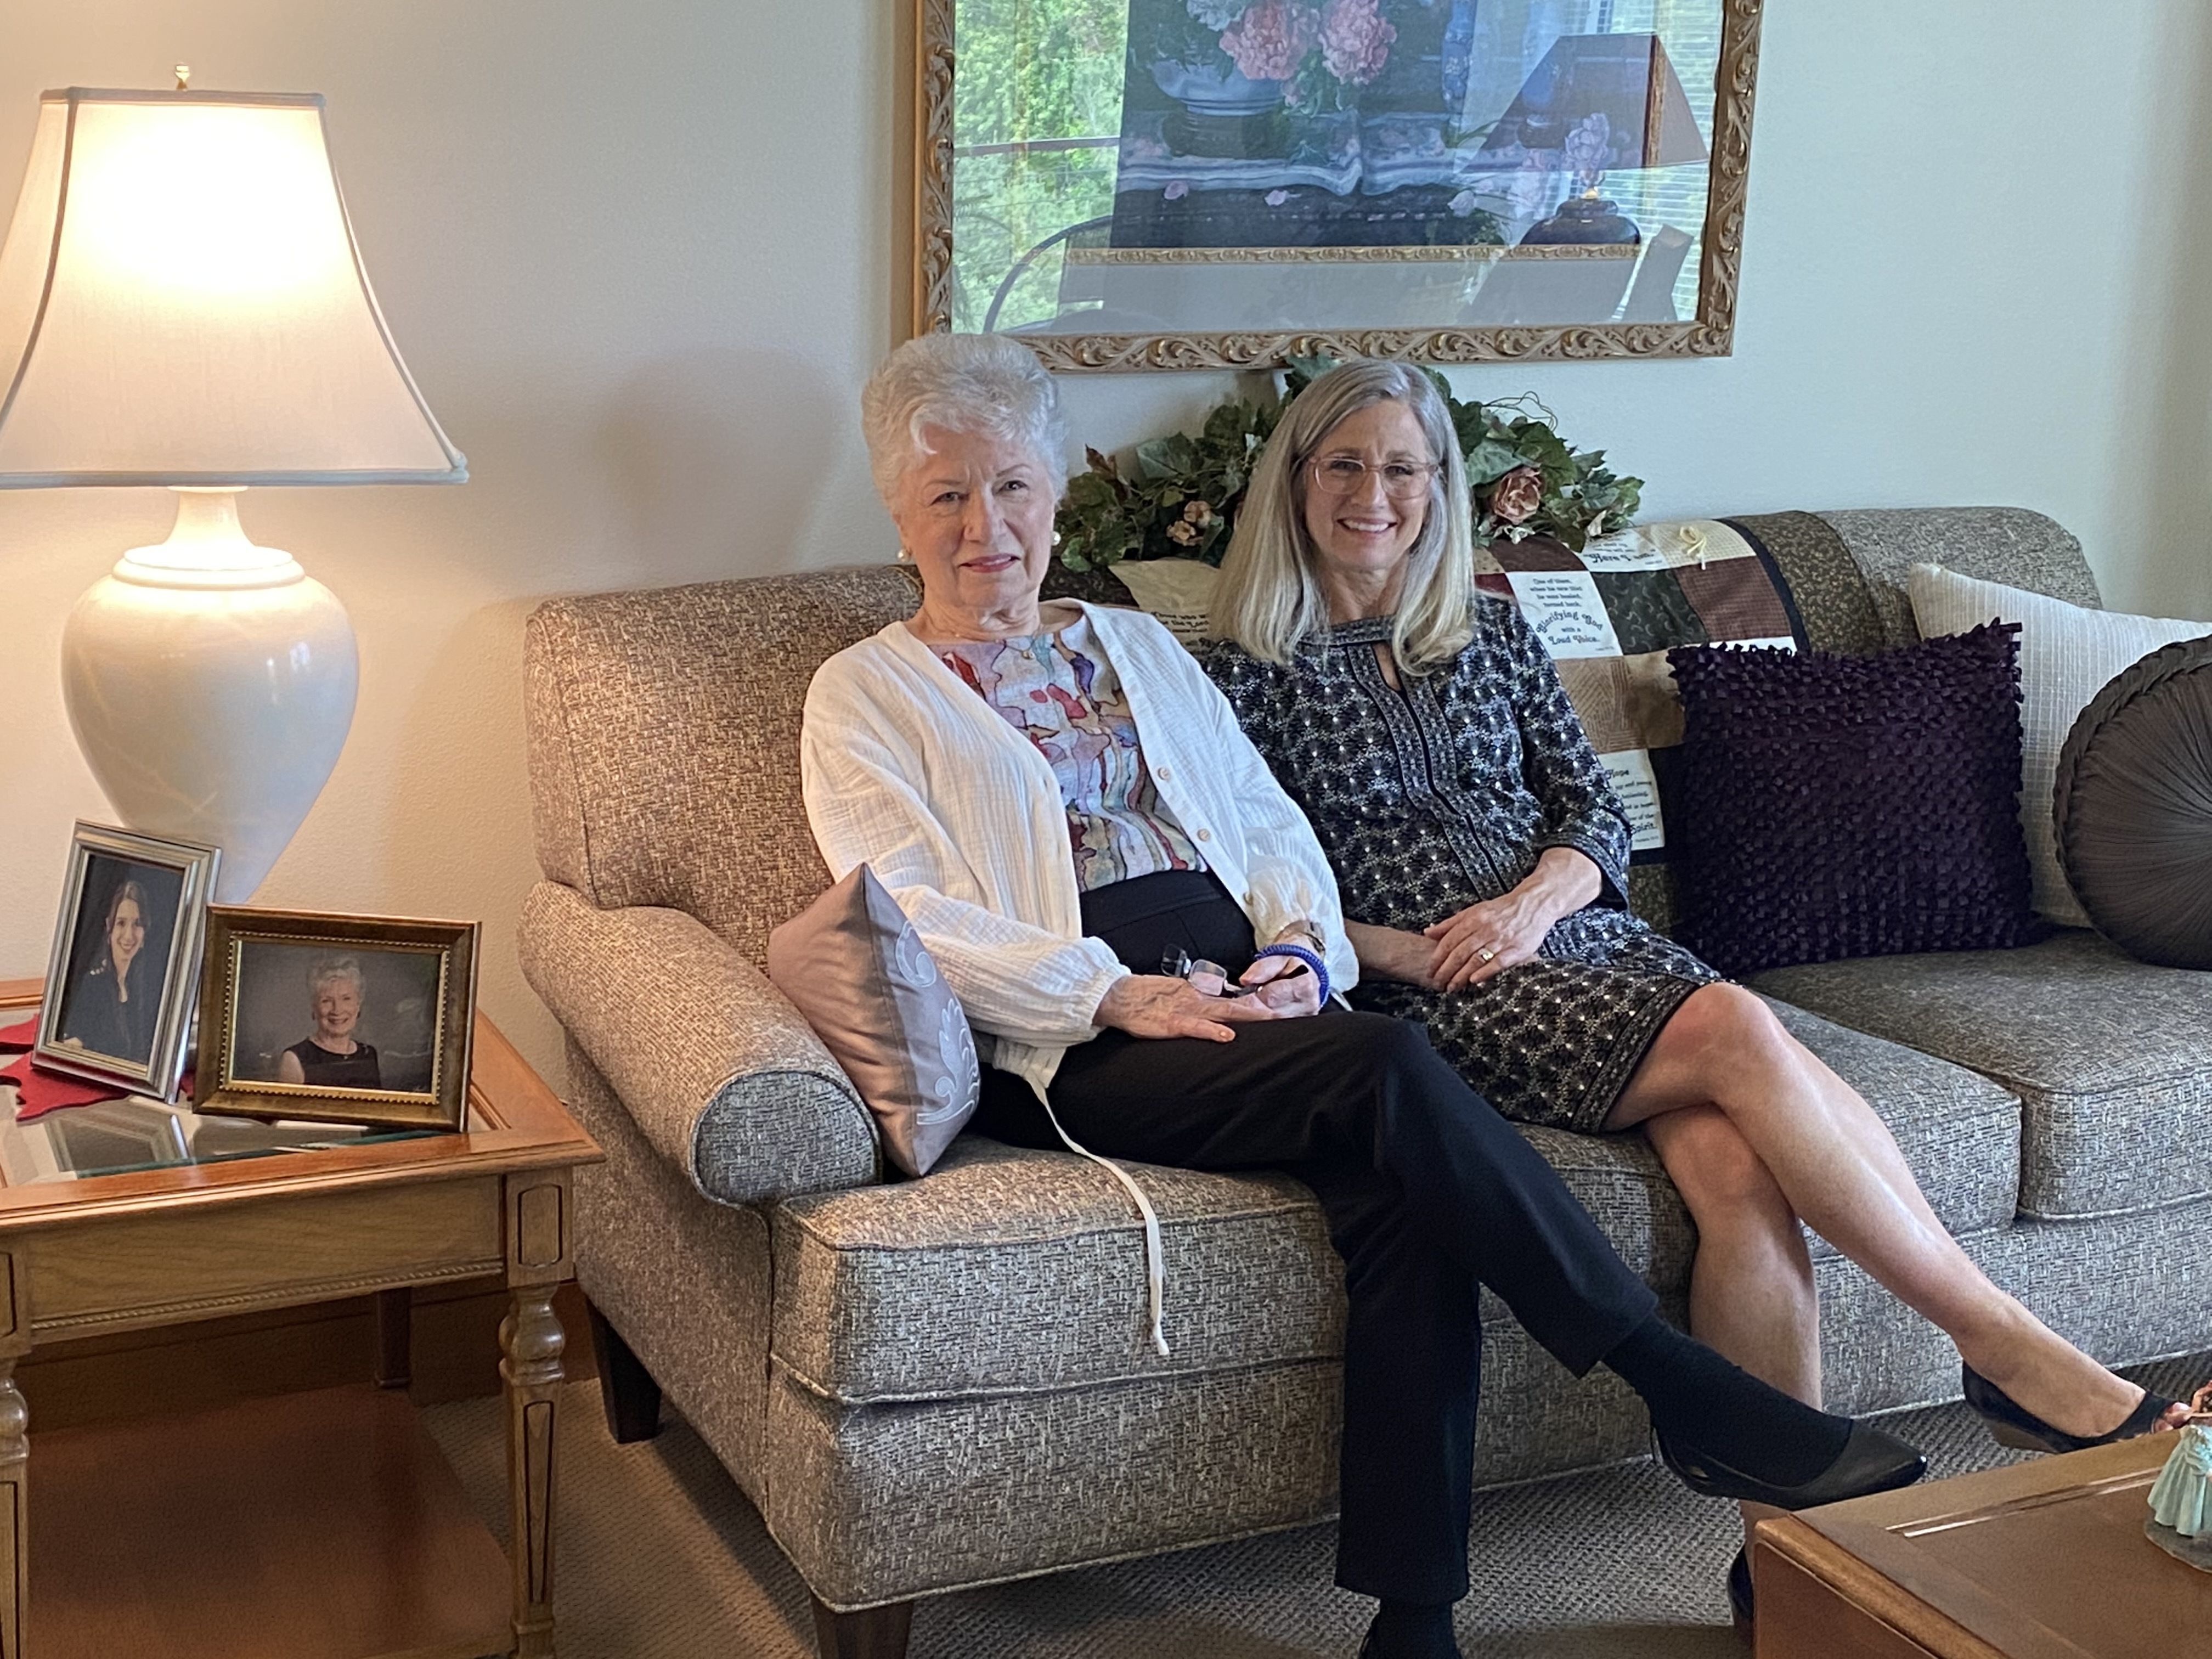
(1311, 960)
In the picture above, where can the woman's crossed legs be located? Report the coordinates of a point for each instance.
(1757, 1132)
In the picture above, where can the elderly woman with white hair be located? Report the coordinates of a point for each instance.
(1423, 729)
(331, 1056)
(1059, 798)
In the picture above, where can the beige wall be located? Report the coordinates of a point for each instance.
(639, 257)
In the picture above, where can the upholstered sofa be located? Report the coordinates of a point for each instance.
(930, 1384)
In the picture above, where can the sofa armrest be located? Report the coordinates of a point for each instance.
(721, 1073)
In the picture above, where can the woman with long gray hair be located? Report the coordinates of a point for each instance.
(1060, 801)
(1423, 729)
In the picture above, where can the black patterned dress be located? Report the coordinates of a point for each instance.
(1431, 799)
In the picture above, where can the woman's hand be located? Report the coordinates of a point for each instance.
(1286, 985)
(1393, 953)
(1162, 1005)
(1488, 937)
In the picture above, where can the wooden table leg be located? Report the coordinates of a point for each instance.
(395, 1337)
(14, 1461)
(531, 1341)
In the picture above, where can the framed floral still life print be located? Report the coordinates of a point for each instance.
(1181, 183)
(125, 963)
(336, 1019)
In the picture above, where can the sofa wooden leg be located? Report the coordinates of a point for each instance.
(876, 1633)
(627, 1389)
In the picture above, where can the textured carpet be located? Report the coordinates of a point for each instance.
(660, 1557)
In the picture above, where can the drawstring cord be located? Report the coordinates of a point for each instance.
(1155, 1260)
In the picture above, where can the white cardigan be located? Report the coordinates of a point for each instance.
(906, 769)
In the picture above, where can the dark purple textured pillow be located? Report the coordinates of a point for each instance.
(1825, 807)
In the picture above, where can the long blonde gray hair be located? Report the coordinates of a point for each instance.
(1270, 600)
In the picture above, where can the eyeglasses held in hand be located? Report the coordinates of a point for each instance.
(1208, 978)
(1345, 475)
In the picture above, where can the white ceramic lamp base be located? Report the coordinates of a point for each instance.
(210, 684)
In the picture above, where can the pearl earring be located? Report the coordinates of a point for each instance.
(905, 557)
(1055, 539)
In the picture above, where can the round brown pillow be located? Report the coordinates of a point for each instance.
(2133, 807)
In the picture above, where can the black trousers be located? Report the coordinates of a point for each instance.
(1427, 1192)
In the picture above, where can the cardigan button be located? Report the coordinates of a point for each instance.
(1205, 834)
(1163, 774)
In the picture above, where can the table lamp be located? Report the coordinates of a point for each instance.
(182, 303)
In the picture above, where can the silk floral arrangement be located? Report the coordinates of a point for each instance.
(1181, 499)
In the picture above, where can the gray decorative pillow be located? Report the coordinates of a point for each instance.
(852, 965)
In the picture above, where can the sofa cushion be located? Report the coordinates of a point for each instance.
(876, 1289)
(2112, 1058)
(880, 1291)
(1960, 1132)
(1007, 1270)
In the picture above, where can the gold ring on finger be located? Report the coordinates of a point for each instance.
(1487, 954)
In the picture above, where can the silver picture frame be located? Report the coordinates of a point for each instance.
(82, 1017)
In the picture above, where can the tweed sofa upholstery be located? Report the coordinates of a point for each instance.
(935, 1383)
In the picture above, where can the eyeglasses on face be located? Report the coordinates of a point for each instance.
(1345, 475)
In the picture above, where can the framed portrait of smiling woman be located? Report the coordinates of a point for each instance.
(119, 983)
(336, 1019)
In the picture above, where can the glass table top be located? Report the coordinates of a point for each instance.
(114, 1137)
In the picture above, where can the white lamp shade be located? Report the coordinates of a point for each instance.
(182, 302)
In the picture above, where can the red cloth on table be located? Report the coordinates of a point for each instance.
(39, 1091)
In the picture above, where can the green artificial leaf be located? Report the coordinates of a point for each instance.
(1302, 372)
(1491, 460)
(1090, 492)
(1168, 456)
(1228, 424)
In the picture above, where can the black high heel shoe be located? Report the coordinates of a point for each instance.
(1871, 1461)
(2011, 1425)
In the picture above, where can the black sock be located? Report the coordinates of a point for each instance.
(1698, 1399)
(1412, 1629)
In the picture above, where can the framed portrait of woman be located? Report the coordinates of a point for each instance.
(126, 963)
(1189, 183)
(330, 1019)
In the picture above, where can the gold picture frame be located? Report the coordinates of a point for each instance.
(386, 1004)
(1713, 250)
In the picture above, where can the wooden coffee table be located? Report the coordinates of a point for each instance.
(316, 1526)
(2044, 1559)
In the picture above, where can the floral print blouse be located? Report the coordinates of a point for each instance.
(1059, 691)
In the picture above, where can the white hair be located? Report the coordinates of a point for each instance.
(979, 383)
(1270, 601)
(327, 969)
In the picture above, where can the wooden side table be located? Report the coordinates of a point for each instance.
(229, 1573)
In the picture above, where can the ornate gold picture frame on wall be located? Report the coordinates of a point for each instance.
(1199, 184)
